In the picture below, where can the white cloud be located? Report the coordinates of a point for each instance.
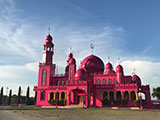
(15, 76)
(146, 70)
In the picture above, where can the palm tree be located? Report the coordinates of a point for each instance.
(156, 93)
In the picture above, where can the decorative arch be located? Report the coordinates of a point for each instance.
(126, 95)
(104, 81)
(51, 95)
(62, 95)
(98, 82)
(109, 81)
(111, 95)
(44, 72)
(118, 95)
(133, 95)
(105, 95)
(62, 82)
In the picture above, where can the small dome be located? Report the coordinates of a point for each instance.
(81, 74)
(93, 64)
(109, 66)
(119, 68)
(49, 38)
(136, 79)
(72, 61)
(70, 55)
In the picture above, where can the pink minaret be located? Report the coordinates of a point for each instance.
(48, 50)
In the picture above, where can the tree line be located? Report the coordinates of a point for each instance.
(17, 99)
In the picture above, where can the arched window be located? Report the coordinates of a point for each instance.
(71, 75)
(42, 95)
(57, 82)
(118, 95)
(66, 82)
(62, 96)
(62, 82)
(51, 95)
(133, 95)
(98, 82)
(109, 81)
(105, 96)
(111, 96)
(44, 71)
(103, 81)
(115, 81)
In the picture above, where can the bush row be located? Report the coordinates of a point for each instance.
(117, 102)
(57, 102)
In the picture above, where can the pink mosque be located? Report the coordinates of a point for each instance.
(93, 84)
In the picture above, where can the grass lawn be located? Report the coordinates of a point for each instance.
(32, 112)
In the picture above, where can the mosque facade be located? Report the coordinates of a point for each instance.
(93, 84)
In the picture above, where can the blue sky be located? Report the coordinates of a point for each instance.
(127, 29)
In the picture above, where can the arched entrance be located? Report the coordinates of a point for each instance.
(111, 96)
(126, 95)
(133, 96)
(77, 96)
(118, 95)
(51, 95)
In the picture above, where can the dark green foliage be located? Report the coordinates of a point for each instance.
(135, 102)
(27, 96)
(1, 96)
(19, 95)
(106, 102)
(118, 102)
(114, 103)
(52, 102)
(57, 102)
(35, 97)
(10, 95)
(156, 93)
(124, 102)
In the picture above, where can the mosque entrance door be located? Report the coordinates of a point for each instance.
(81, 99)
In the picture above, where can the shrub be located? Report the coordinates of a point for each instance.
(124, 102)
(135, 102)
(106, 102)
(52, 102)
(114, 103)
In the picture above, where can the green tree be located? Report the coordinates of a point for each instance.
(35, 97)
(10, 95)
(19, 95)
(1, 96)
(27, 96)
(156, 93)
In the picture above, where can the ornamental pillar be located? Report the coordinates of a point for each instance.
(54, 95)
(129, 92)
(136, 95)
(65, 95)
(49, 96)
(59, 95)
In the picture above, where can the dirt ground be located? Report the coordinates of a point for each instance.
(78, 114)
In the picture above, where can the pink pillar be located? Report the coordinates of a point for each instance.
(72, 97)
(68, 98)
(86, 100)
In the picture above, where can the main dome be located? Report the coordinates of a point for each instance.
(93, 64)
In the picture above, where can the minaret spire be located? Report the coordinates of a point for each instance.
(49, 30)
(92, 47)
